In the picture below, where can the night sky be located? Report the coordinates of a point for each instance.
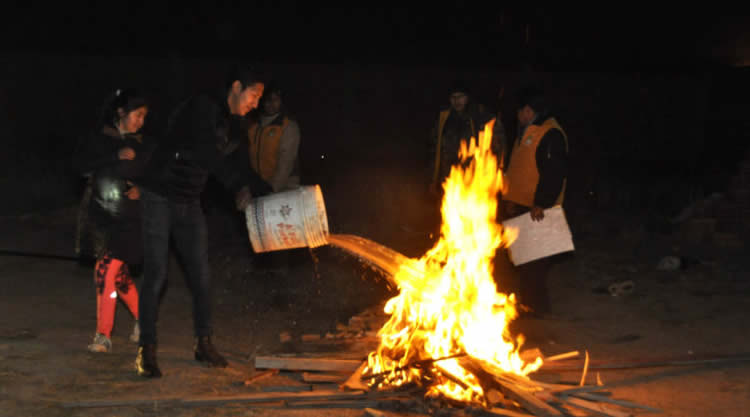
(603, 37)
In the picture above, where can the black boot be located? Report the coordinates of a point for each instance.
(205, 352)
(145, 362)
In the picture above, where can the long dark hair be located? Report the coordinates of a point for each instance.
(127, 99)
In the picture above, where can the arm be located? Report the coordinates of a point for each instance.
(135, 169)
(234, 170)
(552, 163)
(288, 149)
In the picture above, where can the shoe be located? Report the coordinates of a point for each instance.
(145, 362)
(101, 344)
(205, 352)
(136, 335)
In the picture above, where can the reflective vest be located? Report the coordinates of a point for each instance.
(264, 147)
(523, 175)
(442, 118)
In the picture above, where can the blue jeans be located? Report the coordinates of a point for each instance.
(186, 224)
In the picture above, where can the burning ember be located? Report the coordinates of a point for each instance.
(449, 309)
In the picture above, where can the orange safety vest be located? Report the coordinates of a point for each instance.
(523, 175)
(264, 147)
(442, 118)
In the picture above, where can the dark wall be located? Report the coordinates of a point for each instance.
(366, 126)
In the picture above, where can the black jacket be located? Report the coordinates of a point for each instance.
(202, 138)
(110, 177)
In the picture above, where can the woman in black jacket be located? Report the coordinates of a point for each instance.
(114, 156)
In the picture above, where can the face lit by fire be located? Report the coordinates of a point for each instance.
(272, 104)
(526, 115)
(459, 101)
(242, 100)
(131, 122)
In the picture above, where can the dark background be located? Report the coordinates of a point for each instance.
(654, 102)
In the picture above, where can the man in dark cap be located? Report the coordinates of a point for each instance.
(463, 120)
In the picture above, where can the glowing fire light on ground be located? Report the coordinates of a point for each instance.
(448, 303)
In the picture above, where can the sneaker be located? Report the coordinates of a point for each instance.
(205, 352)
(136, 335)
(101, 344)
(145, 362)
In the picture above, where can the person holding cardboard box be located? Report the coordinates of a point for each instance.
(535, 180)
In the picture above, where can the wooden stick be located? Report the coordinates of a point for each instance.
(585, 369)
(306, 364)
(455, 379)
(260, 376)
(554, 367)
(332, 378)
(417, 364)
(562, 356)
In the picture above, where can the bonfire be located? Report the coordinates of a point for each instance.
(448, 308)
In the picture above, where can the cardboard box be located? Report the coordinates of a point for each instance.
(541, 239)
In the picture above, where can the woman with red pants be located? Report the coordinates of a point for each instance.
(113, 156)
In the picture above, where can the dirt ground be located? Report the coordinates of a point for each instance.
(48, 318)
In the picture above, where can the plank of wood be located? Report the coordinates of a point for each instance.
(316, 405)
(599, 409)
(156, 403)
(372, 412)
(355, 380)
(528, 400)
(261, 376)
(317, 377)
(266, 397)
(306, 364)
(506, 413)
(287, 388)
(623, 403)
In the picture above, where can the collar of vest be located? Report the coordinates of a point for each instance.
(278, 120)
(541, 118)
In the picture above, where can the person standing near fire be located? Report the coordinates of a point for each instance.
(273, 143)
(202, 136)
(113, 157)
(273, 149)
(462, 120)
(535, 180)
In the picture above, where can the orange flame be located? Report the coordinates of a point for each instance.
(448, 302)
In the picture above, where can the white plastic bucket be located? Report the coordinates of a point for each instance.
(287, 220)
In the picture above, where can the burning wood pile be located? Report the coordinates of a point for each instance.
(448, 328)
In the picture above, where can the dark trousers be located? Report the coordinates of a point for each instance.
(186, 224)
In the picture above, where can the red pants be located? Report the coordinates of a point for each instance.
(112, 280)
